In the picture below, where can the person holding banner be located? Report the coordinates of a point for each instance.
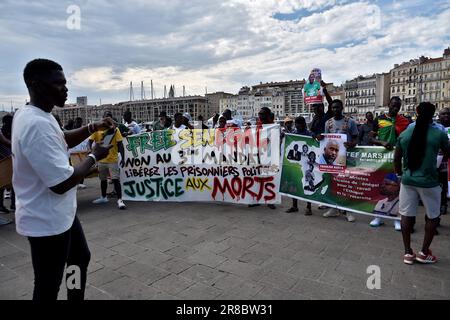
(5, 152)
(301, 129)
(45, 182)
(415, 161)
(386, 128)
(110, 164)
(130, 123)
(340, 123)
(162, 123)
(265, 116)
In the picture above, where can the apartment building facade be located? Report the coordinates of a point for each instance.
(366, 94)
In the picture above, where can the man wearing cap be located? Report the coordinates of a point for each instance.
(288, 126)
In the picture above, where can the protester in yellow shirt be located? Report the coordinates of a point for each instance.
(110, 164)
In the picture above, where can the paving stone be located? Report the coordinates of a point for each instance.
(278, 280)
(157, 244)
(151, 257)
(126, 288)
(357, 295)
(15, 259)
(172, 284)
(133, 236)
(25, 271)
(243, 291)
(238, 268)
(206, 258)
(181, 251)
(269, 293)
(6, 274)
(233, 253)
(278, 264)
(238, 242)
(94, 266)
(93, 293)
(128, 249)
(15, 288)
(175, 265)
(7, 249)
(200, 273)
(317, 290)
(200, 291)
(417, 282)
(99, 253)
(116, 261)
(227, 282)
(106, 241)
(211, 246)
(146, 274)
(253, 257)
(103, 276)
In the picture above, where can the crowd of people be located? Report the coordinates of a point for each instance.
(45, 181)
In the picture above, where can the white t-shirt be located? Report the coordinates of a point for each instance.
(134, 127)
(386, 207)
(40, 161)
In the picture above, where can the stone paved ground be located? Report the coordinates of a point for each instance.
(225, 251)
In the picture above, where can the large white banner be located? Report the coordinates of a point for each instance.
(231, 165)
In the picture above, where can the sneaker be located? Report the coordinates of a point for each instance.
(321, 207)
(429, 258)
(7, 195)
(100, 200)
(121, 205)
(3, 209)
(397, 225)
(350, 217)
(409, 258)
(376, 222)
(292, 209)
(81, 186)
(331, 213)
(271, 206)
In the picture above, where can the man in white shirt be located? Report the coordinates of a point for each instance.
(130, 123)
(45, 182)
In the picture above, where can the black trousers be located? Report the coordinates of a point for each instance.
(49, 257)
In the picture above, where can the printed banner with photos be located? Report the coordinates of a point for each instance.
(367, 184)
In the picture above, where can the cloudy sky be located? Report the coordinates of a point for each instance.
(218, 44)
